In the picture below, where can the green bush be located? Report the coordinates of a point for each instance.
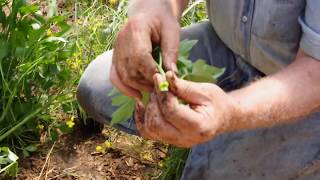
(35, 78)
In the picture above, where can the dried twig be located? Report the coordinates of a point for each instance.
(45, 163)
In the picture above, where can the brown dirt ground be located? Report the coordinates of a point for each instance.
(75, 157)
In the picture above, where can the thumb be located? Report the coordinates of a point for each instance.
(170, 38)
(191, 92)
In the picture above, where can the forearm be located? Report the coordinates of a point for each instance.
(283, 97)
(175, 6)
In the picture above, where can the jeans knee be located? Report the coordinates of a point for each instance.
(93, 88)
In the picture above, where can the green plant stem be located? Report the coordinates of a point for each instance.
(7, 167)
(163, 86)
(26, 119)
(160, 69)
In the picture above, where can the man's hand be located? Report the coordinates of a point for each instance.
(280, 98)
(210, 111)
(149, 22)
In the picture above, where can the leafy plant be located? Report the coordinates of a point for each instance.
(35, 79)
(198, 71)
(8, 162)
(174, 163)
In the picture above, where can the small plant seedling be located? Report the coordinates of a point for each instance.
(197, 71)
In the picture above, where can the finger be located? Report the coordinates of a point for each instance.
(162, 129)
(124, 89)
(147, 66)
(170, 38)
(142, 58)
(139, 120)
(151, 116)
(191, 92)
(139, 77)
(132, 82)
(179, 115)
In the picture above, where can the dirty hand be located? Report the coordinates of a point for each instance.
(210, 112)
(149, 23)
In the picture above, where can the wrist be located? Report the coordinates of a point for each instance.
(240, 118)
(176, 7)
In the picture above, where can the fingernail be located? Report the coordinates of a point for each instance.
(139, 106)
(170, 76)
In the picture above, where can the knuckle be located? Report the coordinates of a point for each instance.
(138, 56)
(186, 91)
(133, 23)
(204, 133)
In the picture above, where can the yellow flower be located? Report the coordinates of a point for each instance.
(113, 2)
(40, 126)
(108, 144)
(101, 149)
(49, 32)
(70, 123)
(161, 164)
(147, 156)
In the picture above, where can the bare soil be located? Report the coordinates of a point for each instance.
(74, 157)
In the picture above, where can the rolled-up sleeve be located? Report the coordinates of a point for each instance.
(310, 23)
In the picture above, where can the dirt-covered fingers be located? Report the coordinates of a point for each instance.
(180, 115)
(155, 122)
(140, 121)
(123, 88)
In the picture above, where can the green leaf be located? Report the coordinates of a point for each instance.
(184, 66)
(7, 156)
(114, 92)
(201, 72)
(53, 38)
(26, 153)
(54, 135)
(123, 113)
(13, 157)
(29, 9)
(31, 148)
(4, 160)
(119, 100)
(63, 127)
(185, 46)
(13, 170)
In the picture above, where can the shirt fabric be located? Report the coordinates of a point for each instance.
(267, 33)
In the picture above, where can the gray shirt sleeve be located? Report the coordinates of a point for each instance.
(310, 23)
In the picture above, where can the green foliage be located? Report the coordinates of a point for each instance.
(96, 26)
(174, 163)
(196, 12)
(8, 162)
(35, 78)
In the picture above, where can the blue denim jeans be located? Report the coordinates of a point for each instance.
(282, 152)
